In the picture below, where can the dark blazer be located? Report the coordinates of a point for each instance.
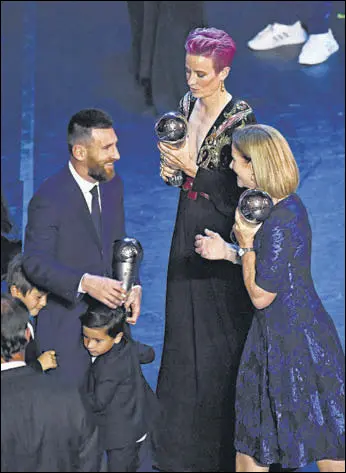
(45, 426)
(119, 396)
(61, 244)
(32, 352)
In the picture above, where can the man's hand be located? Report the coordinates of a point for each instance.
(133, 302)
(106, 290)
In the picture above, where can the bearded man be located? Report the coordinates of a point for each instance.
(73, 219)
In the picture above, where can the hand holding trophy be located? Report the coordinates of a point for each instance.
(172, 128)
(254, 206)
(127, 257)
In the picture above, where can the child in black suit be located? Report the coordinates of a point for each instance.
(122, 401)
(34, 299)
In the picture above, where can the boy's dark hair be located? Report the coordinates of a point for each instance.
(100, 316)
(17, 277)
(14, 320)
(81, 124)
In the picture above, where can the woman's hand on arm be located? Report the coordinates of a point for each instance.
(178, 158)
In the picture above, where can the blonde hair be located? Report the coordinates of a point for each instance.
(273, 163)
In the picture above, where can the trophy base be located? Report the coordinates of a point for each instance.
(177, 180)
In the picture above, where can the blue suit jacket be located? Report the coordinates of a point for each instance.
(61, 244)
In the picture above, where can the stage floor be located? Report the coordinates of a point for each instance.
(78, 54)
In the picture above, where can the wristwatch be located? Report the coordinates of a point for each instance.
(242, 251)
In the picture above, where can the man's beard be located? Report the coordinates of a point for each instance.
(100, 174)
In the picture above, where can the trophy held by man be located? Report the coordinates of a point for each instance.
(126, 260)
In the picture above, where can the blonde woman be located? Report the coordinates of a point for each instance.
(290, 386)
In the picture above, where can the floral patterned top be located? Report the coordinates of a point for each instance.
(214, 177)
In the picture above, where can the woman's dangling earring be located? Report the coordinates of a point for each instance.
(222, 86)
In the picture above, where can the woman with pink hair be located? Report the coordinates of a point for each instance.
(208, 311)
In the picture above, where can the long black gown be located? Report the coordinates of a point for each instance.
(208, 314)
(159, 31)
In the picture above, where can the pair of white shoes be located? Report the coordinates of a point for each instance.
(317, 47)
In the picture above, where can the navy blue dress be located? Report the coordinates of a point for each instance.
(290, 386)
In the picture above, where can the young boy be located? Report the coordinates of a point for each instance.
(34, 299)
(117, 392)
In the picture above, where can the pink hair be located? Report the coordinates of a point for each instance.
(214, 43)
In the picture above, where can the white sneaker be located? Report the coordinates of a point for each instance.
(318, 48)
(276, 35)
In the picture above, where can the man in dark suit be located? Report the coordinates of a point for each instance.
(36, 407)
(73, 219)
